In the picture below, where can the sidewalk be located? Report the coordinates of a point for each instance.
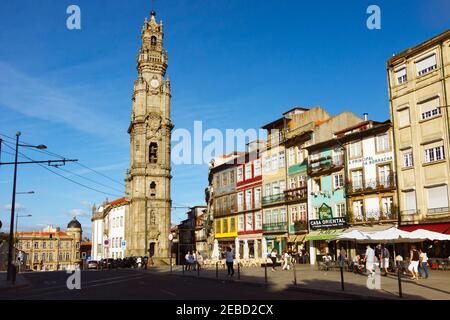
(7, 285)
(329, 282)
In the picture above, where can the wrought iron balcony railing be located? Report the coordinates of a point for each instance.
(374, 185)
(276, 226)
(438, 210)
(373, 216)
(273, 199)
(296, 194)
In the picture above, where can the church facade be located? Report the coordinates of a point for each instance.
(148, 178)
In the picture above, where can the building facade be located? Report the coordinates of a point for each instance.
(52, 249)
(148, 179)
(419, 87)
(108, 230)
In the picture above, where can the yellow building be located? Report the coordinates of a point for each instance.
(419, 86)
(52, 249)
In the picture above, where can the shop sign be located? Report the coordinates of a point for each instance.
(331, 223)
(369, 160)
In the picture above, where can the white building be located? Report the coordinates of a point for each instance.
(108, 230)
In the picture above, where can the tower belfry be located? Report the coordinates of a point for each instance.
(148, 179)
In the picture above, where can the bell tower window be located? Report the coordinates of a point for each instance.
(153, 189)
(153, 41)
(153, 152)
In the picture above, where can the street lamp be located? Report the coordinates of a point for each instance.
(13, 204)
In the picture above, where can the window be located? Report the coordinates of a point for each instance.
(36, 257)
(293, 183)
(241, 222)
(257, 167)
(240, 176)
(248, 171)
(430, 108)
(357, 179)
(44, 245)
(410, 201)
(275, 188)
(153, 188)
(387, 205)
(153, 152)
(257, 197)
(426, 65)
(302, 212)
(267, 164)
(43, 257)
(249, 222)
(248, 199)
(301, 181)
(338, 157)
(340, 210)
(267, 190)
(383, 142)
(217, 181)
(338, 180)
(50, 257)
(434, 154)
(299, 155)
(153, 41)
(315, 213)
(355, 149)
(282, 216)
(384, 174)
(225, 225)
(437, 198)
(218, 229)
(294, 216)
(274, 162)
(358, 209)
(258, 220)
(232, 177)
(408, 158)
(400, 75)
(291, 156)
(281, 160)
(282, 186)
(225, 179)
(240, 200)
(403, 118)
(316, 185)
(233, 224)
(121, 221)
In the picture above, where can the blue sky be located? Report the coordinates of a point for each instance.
(232, 64)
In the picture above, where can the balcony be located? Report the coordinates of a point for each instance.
(300, 131)
(368, 186)
(276, 198)
(297, 194)
(410, 212)
(373, 216)
(277, 226)
(325, 165)
(438, 210)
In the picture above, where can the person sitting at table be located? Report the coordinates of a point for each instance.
(327, 260)
(355, 263)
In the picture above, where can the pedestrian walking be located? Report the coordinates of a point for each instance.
(385, 255)
(187, 261)
(414, 258)
(199, 260)
(286, 261)
(342, 257)
(369, 260)
(273, 257)
(423, 264)
(229, 262)
(194, 260)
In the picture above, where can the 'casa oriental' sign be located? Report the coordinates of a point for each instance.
(326, 220)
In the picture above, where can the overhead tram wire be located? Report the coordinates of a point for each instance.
(63, 158)
(64, 177)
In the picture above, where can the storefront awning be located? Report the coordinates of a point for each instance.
(435, 227)
(325, 234)
(296, 238)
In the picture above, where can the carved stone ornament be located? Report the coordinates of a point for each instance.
(154, 122)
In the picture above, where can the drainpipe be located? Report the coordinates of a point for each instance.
(395, 148)
(445, 88)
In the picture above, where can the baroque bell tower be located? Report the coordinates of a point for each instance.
(147, 224)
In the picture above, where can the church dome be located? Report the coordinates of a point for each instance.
(74, 224)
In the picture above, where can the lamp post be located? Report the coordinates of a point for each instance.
(13, 202)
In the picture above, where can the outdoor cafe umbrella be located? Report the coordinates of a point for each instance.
(352, 236)
(393, 235)
(429, 235)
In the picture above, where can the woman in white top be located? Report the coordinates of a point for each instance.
(423, 264)
(286, 261)
(229, 261)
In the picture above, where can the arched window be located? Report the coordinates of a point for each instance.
(153, 152)
(153, 41)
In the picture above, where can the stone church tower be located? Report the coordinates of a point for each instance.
(147, 222)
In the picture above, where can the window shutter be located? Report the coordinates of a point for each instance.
(410, 200)
(425, 63)
(437, 197)
(429, 105)
(403, 117)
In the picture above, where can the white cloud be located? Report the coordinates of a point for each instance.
(48, 102)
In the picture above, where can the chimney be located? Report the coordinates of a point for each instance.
(365, 114)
